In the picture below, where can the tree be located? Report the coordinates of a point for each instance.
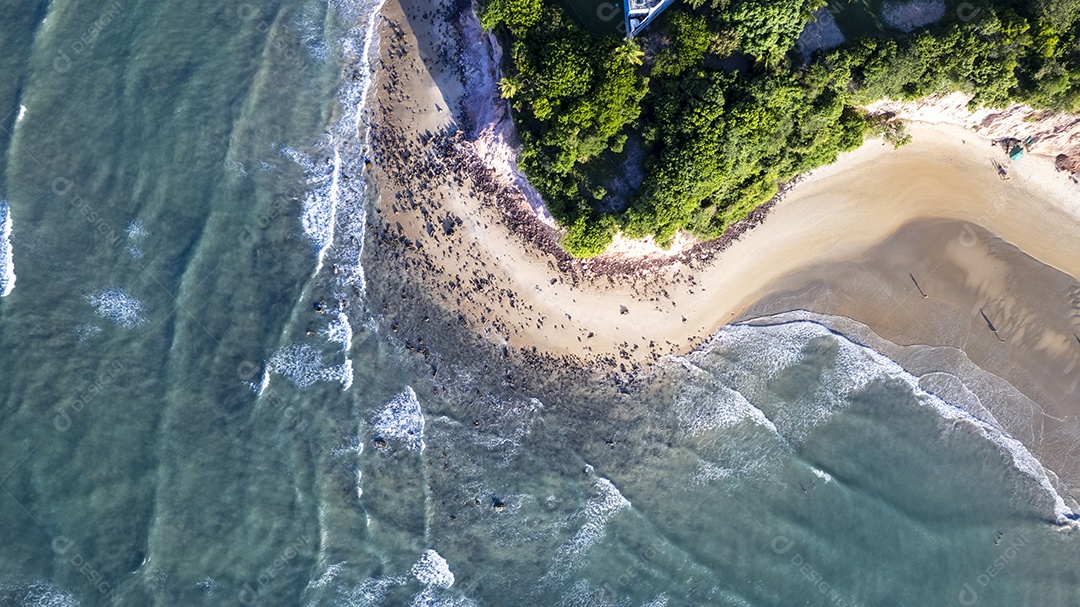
(716, 144)
(509, 87)
(1061, 15)
(629, 53)
(691, 39)
(517, 15)
(767, 29)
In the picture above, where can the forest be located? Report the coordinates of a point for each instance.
(720, 108)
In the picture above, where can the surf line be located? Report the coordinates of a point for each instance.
(63, 62)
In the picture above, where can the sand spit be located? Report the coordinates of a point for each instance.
(453, 217)
(927, 246)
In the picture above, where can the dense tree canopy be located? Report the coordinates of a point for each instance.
(725, 111)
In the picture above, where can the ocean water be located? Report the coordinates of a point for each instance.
(201, 405)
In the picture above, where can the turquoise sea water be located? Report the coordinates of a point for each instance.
(198, 406)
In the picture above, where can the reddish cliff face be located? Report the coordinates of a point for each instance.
(1052, 134)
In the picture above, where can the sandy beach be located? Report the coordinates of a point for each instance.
(490, 260)
(865, 238)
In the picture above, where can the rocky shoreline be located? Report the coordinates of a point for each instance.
(454, 225)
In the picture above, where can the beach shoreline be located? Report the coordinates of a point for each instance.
(489, 258)
(861, 239)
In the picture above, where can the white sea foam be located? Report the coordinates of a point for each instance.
(327, 576)
(333, 214)
(952, 389)
(434, 573)
(1022, 459)
(747, 457)
(825, 476)
(583, 593)
(45, 594)
(303, 366)
(136, 234)
(433, 570)
(236, 168)
(708, 472)
(208, 585)
(907, 16)
(703, 405)
(345, 374)
(352, 444)
(506, 425)
(709, 411)
(432, 596)
(264, 382)
(7, 262)
(746, 358)
(372, 592)
(308, 25)
(853, 367)
(597, 512)
(85, 332)
(401, 421)
(117, 305)
(776, 351)
(319, 208)
(340, 331)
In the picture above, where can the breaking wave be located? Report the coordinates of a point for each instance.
(431, 569)
(597, 512)
(36, 594)
(136, 234)
(7, 263)
(333, 213)
(303, 365)
(401, 421)
(734, 370)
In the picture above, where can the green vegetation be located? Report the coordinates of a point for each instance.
(718, 143)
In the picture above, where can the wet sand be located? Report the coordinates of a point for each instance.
(473, 238)
(468, 233)
(985, 301)
(865, 238)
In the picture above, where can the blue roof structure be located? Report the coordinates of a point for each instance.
(639, 13)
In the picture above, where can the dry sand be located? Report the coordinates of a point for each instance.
(850, 240)
(1046, 133)
(972, 281)
(451, 212)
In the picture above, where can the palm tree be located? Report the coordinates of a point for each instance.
(629, 52)
(508, 87)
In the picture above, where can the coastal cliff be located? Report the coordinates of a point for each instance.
(1051, 134)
